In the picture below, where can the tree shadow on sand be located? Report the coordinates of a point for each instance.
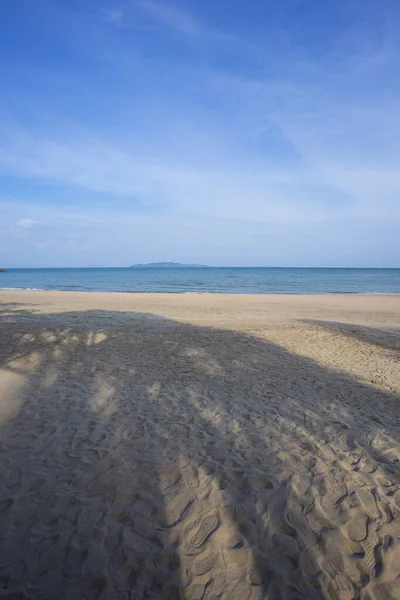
(146, 458)
(387, 338)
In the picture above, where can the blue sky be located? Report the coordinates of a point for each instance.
(227, 132)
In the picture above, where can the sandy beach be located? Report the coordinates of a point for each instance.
(199, 446)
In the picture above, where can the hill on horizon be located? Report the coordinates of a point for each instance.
(167, 265)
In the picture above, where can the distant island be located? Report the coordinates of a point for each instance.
(167, 265)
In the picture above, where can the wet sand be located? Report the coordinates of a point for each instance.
(199, 446)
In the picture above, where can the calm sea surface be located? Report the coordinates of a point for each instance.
(227, 280)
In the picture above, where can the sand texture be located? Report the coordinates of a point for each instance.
(199, 446)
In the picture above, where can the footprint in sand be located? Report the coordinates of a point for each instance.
(190, 477)
(357, 528)
(13, 478)
(236, 561)
(91, 456)
(49, 523)
(95, 589)
(368, 501)
(12, 571)
(387, 591)
(334, 565)
(76, 558)
(199, 533)
(296, 519)
(6, 504)
(176, 508)
(284, 546)
(370, 543)
(205, 564)
(168, 478)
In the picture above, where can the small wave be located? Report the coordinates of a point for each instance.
(342, 292)
(238, 290)
(23, 289)
(365, 293)
(75, 287)
(148, 292)
(379, 293)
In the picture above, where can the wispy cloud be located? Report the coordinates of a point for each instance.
(141, 12)
(320, 188)
(170, 16)
(155, 15)
(115, 15)
(26, 223)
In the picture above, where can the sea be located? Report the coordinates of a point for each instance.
(238, 280)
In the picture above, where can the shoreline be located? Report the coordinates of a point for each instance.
(239, 294)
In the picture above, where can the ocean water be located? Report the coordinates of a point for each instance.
(238, 280)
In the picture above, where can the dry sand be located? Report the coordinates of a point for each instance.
(199, 446)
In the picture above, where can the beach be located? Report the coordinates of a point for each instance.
(189, 446)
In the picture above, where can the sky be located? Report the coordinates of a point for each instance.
(222, 132)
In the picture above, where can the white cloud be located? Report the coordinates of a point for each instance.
(26, 223)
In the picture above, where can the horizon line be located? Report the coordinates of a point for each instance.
(200, 267)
